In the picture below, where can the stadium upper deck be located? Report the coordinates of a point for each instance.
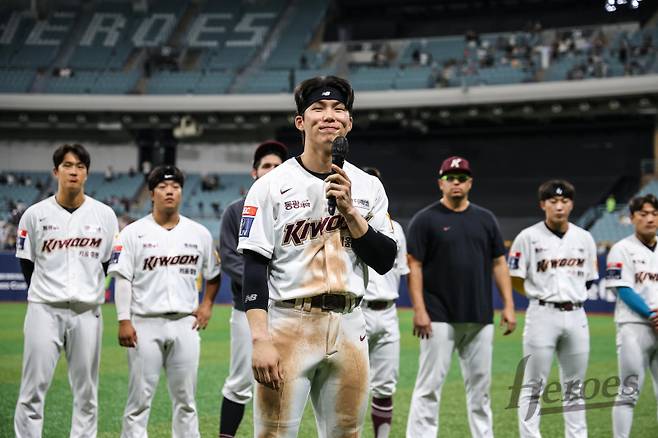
(204, 47)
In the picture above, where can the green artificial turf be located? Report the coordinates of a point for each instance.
(214, 368)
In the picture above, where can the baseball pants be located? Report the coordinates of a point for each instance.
(637, 350)
(77, 329)
(169, 342)
(384, 350)
(474, 344)
(550, 331)
(324, 354)
(240, 381)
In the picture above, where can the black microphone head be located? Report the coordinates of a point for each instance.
(340, 147)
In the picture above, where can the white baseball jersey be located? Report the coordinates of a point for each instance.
(386, 287)
(631, 264)
(67, 249)
(163, 265)
(285, 219)
(555, 269)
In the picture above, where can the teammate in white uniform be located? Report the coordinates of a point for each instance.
(383, 329)
(312, 266)
(63, 242)
(155, 262)
(238, 385)
(632, 272)
(551, 263)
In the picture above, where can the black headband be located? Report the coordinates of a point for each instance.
(557, 190)
(165, 173)
(324, 93)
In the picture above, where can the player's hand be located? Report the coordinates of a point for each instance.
(127, 334)
(340, 187)
(202, 314)
(422, 324)
(508, 317)
(654, 318)
(266, 364)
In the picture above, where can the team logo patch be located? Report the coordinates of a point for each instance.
(613, 271)
(513, 260)
(116, 252)
(20, 244)
(248, 214)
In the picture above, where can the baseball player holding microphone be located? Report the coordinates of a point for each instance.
(155, 262)
(632, 272)
(64, 244)
(383, 331)
(237, 390)
(305, 272)
(552, 263)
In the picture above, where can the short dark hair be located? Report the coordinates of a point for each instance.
(304, 90)
(373, 171)
(270, 147)
(76, 149)
(165, 173)
(556, 187)
(638, 202)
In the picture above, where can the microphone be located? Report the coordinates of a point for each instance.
(339, 149)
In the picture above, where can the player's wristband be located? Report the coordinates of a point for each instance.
(376, 249)
(255, 294)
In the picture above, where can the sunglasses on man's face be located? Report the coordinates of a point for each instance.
(451, 178)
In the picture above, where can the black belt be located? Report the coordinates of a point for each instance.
(327, 302)
(565, 306)
(378, 304)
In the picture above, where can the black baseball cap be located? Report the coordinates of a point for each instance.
(165, 173)
(270, 147)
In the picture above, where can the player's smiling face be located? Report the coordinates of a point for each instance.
(645, 221)
(323, 121)
(71, 173)
(557, 209)
(166, 196)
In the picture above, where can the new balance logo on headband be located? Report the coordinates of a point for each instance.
(326, 93)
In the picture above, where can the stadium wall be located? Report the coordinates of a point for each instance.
(37, 156)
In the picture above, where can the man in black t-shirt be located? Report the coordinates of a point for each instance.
(454, 249)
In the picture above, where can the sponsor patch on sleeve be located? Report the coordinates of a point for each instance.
(116, 252)
(513, 260)
(248, 214)
(245, 225)
(613, 271)
(249, 210)
(20, 243)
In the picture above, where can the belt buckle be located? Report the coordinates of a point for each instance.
(323, 302)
